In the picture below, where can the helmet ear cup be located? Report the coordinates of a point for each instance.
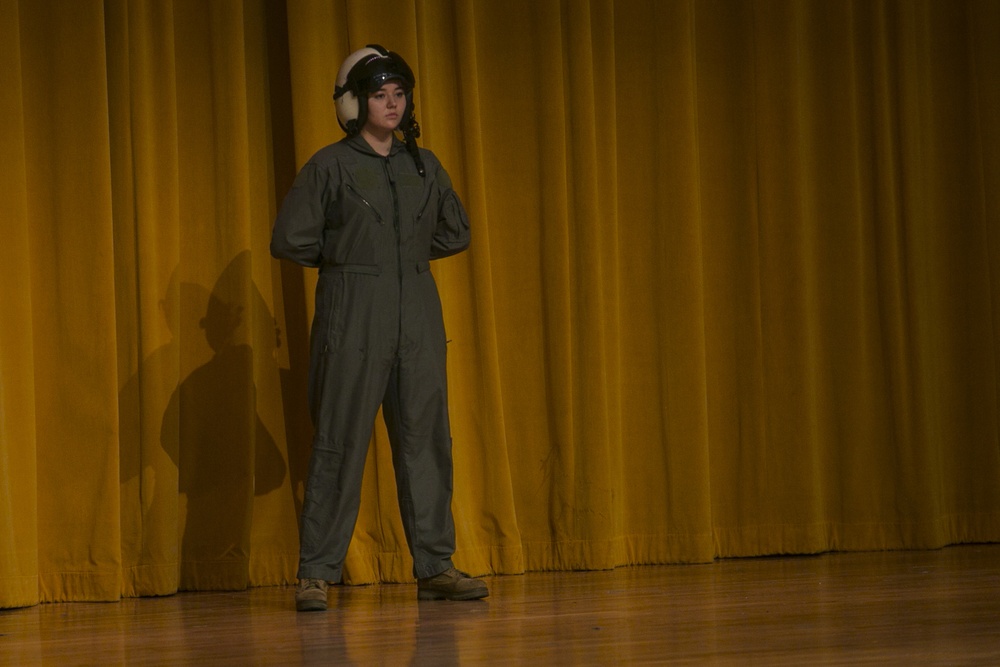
(351, 113)
(348, 110)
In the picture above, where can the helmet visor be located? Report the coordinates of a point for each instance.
(372, 73)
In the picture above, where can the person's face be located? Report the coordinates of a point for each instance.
(386, 107)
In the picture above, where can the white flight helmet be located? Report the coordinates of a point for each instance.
(364, 72)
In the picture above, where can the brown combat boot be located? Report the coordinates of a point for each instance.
(451, 585)
(310, 595)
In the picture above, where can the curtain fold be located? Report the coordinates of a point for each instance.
(18, 435)
(663, 354)
(70, 279)
(143, 122)
(734, 286)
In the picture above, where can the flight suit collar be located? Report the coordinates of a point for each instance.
(358, 143)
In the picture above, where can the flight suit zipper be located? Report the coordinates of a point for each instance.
(399, 243)
(364, 201)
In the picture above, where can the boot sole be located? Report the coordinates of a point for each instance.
(427, 595)
(311, 605)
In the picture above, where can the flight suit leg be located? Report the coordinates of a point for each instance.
(349, 387)
(415, 409)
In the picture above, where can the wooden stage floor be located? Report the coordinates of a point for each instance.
(888, 608)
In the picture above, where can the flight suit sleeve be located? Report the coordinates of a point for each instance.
(452, 234)
(298, 229)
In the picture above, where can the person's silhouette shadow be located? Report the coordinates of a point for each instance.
(225, 454)
(147, 462)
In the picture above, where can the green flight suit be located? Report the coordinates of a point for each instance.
(372, 224)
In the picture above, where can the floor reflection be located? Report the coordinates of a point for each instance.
(927, 607)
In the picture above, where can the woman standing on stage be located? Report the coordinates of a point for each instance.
(371, 211)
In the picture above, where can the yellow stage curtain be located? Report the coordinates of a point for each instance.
(734, 286)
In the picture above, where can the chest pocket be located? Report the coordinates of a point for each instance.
(417, 208)
(357, 228)
(357, 206)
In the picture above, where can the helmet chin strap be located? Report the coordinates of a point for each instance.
(410, 134)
